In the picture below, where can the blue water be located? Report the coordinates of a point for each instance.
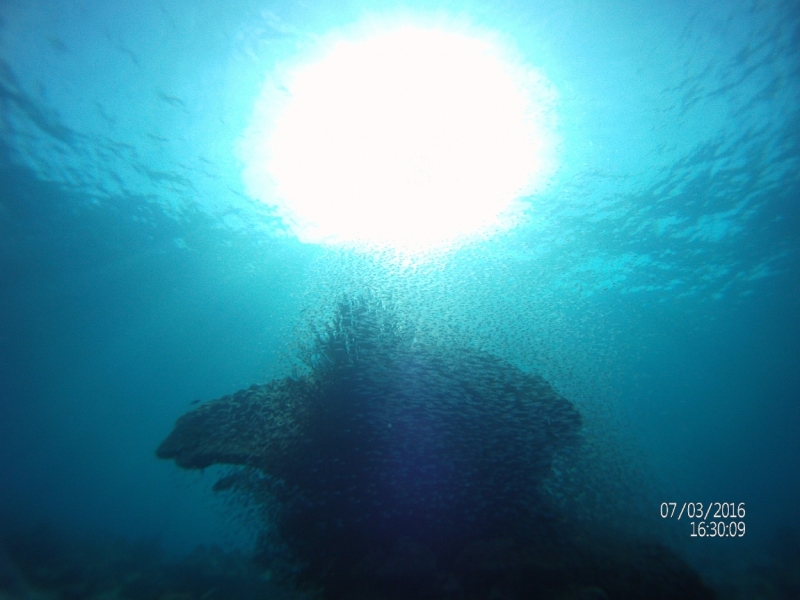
(655, 283)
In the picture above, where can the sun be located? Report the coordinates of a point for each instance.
(409, 138)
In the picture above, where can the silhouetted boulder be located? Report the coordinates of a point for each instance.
(396, 468)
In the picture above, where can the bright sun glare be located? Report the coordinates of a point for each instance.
(410, 139)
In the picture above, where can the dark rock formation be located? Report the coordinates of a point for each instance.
(390, 463)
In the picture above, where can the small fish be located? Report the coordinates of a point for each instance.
(172, 100)
(57, 44)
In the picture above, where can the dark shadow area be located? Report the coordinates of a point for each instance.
(46, 562)
(774, 574)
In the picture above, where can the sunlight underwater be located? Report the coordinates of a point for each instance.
(401, 137)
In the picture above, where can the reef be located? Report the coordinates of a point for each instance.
(396, 466)
(44, 562)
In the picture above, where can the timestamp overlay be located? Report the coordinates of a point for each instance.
(709, 519)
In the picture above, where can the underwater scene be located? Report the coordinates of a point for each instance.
(399, 300)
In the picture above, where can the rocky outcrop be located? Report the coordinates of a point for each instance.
(397, 467)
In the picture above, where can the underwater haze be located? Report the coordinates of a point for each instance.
(653, 280)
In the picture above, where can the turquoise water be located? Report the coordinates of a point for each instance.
(654, 281)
